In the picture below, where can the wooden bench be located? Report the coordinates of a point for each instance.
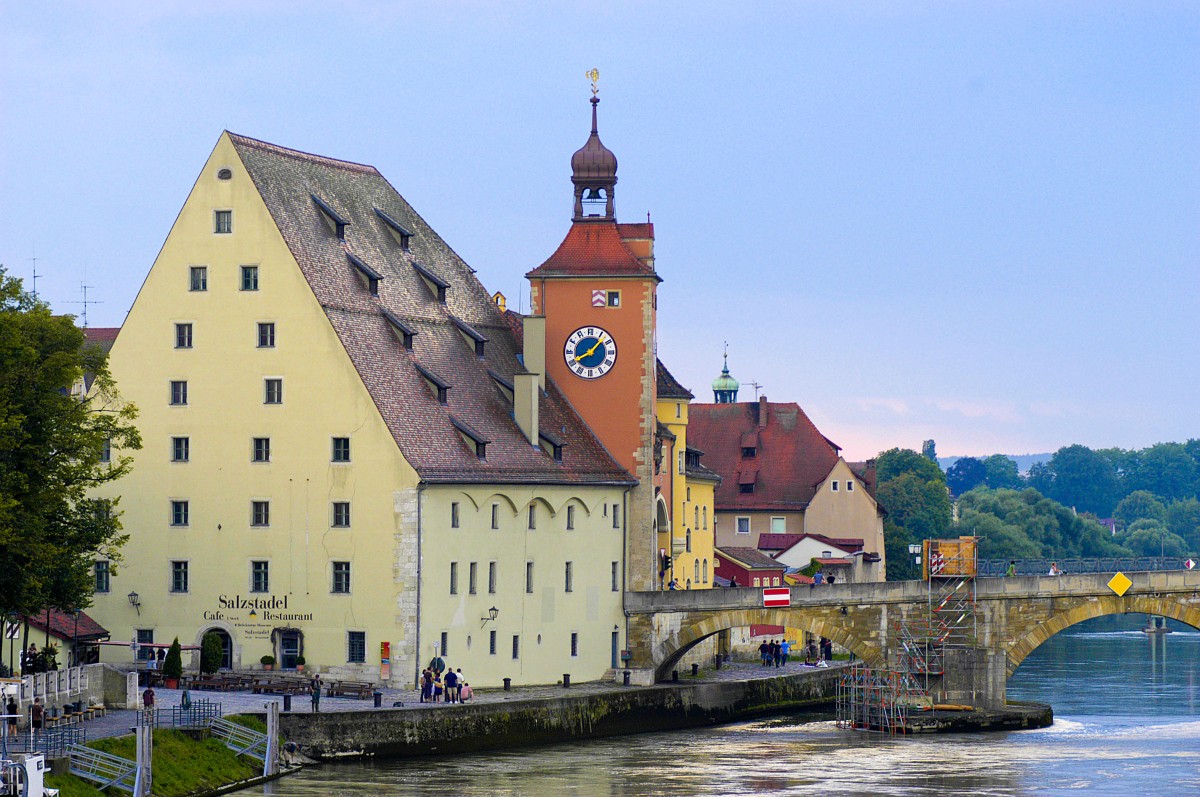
(354, 689)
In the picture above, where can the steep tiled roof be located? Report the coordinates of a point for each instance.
(751, 558)
(782, 542)
(104, 337)
(865, 471)
(426, 431)
(592, 247)
(668, 386)
(62, 625)
(791, 456)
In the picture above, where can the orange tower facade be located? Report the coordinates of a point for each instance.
(597, 293)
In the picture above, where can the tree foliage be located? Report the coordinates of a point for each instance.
(917, 504)
(173, 663)
(897, 461)
(1002, 473)
(965, 474)
(1140, 505)
(51, 530)
(212, 652)
(1025, 524)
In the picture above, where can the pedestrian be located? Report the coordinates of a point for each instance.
(451, 686)
(733, 582)
(465, 694)
(1012, 568)
(11, 710)
(148, 702)
(672, 585)
(314, 690)
(830, 579)
(819, 578)
(785, 648)
(763, 651)
(461, 683)
(437, 687)
(37, 714)
(827, 650)
(777, 653)
(1054, 571)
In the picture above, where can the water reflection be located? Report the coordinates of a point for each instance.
(1127, 722)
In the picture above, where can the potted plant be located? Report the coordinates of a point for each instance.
(173, 666)
(299, 664)
(267, 661)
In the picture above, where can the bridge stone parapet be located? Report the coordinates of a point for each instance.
(1013, 617)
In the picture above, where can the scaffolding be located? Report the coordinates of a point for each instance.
(879, 700)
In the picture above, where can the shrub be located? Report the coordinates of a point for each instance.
(173, 663)
(300, 662)
(265, 660)
(212, 652)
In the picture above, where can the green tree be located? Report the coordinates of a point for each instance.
(1084, 480)
(1140, 505)
(1029, 522)
(1002, 473)
(51, 442)
(917, 510)
(929, 450)
(1168, 471)
(965, 474)
(1183, 520)
(1150, 538)
(897, 461)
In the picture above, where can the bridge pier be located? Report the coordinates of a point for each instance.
(975, 677)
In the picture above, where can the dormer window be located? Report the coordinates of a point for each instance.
(437, 286)
(506, 387)
(334, 219)
(475, 441)
(749, 452)
(746, 480)
(369, 275)
(402, 235)
(472, 336)
(437, 386)
(401, 329)
(551, 445)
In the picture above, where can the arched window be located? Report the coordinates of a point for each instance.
(697, 523)
(704, 571)
(705, 518)
(688, 539)
(757, 582)
(696, 570)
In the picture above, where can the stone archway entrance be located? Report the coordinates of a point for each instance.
(226, 646)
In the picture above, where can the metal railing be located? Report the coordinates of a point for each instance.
(104, 769)
(1041, 567)
(239, 738)
(199, 715)
(53, 742)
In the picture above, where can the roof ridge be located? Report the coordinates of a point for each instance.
(300, 154)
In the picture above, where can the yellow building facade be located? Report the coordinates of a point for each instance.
(337, 462)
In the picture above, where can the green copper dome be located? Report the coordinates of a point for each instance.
(725, 387)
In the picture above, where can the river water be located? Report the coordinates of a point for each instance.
(1127, 722)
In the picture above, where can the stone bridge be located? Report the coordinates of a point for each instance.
(1013, 616)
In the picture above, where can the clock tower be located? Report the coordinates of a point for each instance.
(597, 294)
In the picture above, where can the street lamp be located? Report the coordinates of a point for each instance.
(492, 614)
(75, 641)
(135, 602)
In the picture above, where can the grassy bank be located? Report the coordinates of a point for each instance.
(182, 764)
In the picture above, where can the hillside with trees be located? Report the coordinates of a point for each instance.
(1067, 506)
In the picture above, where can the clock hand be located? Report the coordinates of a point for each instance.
(590, 351)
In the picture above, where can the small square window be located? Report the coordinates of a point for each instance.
(341, 578)
(833, 485)
(249, 278)
(260, 576)
(260, 513)
(106, 451)
(849, 486)
(180, 449)
(341, 449)
(183, 336)
(179, 576)
(179, 513)
(145, 638)
(103, 582)
(341, 514)
(272, 391)
(198, 278)
(261, 449)
(743, 525)
(778, 525)
(266, 335)
(223, 222)
(614, 298)
(179, 393)
(356, 647)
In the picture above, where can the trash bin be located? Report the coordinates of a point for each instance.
(287, 702)
(626, 678)
(378, 699)
(695, 670)
(508, 684)
(718, 658)
(566, 680)
(675, 676)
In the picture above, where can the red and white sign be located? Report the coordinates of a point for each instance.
(777, 596)
(937, 562)
(1189, 564)
(599, 298)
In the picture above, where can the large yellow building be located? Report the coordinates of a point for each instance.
(347, 455)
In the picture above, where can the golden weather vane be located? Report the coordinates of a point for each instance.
(594, 76)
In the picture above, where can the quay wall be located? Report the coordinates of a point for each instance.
(524, 722)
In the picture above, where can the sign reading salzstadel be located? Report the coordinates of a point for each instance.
(264, 612)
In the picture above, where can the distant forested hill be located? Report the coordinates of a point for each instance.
(1024, 461)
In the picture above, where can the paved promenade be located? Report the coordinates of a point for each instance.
(120, 722)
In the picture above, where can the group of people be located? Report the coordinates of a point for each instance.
(817, 654)
(35, 661)
(774, 652)
(1055, 570)
(37, 716)
(821, 578)
(453, 688)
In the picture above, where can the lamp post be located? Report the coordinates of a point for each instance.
(135, 602)
(75, 642)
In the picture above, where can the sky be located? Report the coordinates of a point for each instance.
(973, 222)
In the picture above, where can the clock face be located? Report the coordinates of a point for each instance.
(590, 352)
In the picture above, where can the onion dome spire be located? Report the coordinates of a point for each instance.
(725, 387)
(594, 171)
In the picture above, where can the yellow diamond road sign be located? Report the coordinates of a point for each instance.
(1120, 583)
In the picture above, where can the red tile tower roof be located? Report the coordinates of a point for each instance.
(592, 247)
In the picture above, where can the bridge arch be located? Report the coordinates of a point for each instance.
(695, 628)
(1163, 606)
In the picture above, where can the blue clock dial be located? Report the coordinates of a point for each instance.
(590, 352)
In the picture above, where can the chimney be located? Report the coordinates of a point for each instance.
(525, 403)
(534, 355)
(762, 412)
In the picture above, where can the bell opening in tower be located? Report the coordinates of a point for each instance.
(595, 202)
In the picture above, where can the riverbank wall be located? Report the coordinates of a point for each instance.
(524, 722)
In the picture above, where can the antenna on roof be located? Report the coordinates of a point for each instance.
(756, 387)
(35, 274)
(86, 301)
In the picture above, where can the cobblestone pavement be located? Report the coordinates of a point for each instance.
(122, 721)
